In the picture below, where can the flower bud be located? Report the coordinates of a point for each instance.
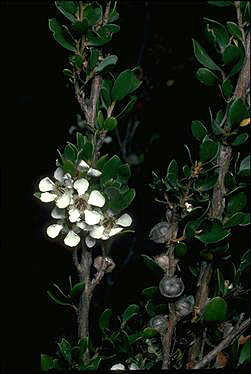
(161, 232)
(158, 323)
(171, 287)
(184, 306)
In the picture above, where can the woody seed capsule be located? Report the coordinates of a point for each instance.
(171, 287)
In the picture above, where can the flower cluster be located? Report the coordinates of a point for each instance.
(78, 207)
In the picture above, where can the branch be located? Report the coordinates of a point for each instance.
(244, 77)
(167, 338)
(238, 330)
(95, 92)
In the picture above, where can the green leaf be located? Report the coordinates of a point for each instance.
(240, 139)
(122, 85)
(124, 173)
(69, 152)
(215, 310)
(69, 167)
(208, 150)
(187, 171)
(87, 151)
(46, 362)
(54, 298)
(231, 54)
(180, 249)
(149, 333)
(190, 229)
(68, 72)
(245, 219)
(68, 9)
(111, 28)
(227, 88)
(81, 140)
(131, 311)
(110, 169)
(77, 288)
(110, 123)
(101, 162)
(124, 343)
(217, 123)
(206, 183)
(62, 35)
(172, 173)
(244, 169)
(100, 119)
(135, 337)
(244, 264)
(150, 292)
(123, 201)
(150, 308)
(128, 108)
(97, 39)
(236, 203)
(206, 77)
(104, 320)
(234, 30)
(80, 26)
(114, 15)
(245, 353)
(234, 220)
(83, 345)
(219, 31)
(199, 131)
(65, 349)
(203, 57)
(213, 233)
(151, 264)
(237, 67)
(221, 3)
(94, 363)
(93, 13)
(107, 64)
(93, 59)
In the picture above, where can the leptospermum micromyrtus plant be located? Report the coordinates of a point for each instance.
(89, 194)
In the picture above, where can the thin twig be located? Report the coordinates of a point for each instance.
(238, 330)
(167, 338)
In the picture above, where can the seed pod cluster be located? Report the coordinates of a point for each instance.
(161, 232)
(184, 306)
(171, 287)
(158, 323)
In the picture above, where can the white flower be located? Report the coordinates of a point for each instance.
(71, 239)
(59, 191)
(83, 166)
(118, 367)
(188, 207)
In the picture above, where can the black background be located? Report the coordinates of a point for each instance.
(37, 110)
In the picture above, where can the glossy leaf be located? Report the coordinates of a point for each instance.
(87, 151)
(206, 183)
(234, 220)
(128, 108)
(62, 35)
(199, 131)
(110, 124)
(46, 362)
(236, 203)
(206, 77)
(97, 39)
(106, 64)
(244, 264)
(77, 288)
(187, 171)
(150, 308)
(245, 353)
(124, 173)
(101, 162)
(65, 349)
(245, 219)
(104, 320)
(231, 54)
(80, 26)
(58, 301)
(234, 30)
(208, 150)
(221, 3)
(110, 169)
(83, 345)
(217, 123)
(219, 31)
(100, 119)
(172, 173)
(81, 140)
(68, 9)
(131, 311)
(227, 88)
(215, 310)
(240, 139)
(203, 57)
(69, 153)
(93, 59)
(238, 65)
(213, 233)
(151, 264)
(69, 167)
(244, 169)
(150, 292)
(123, 201)
(122, 85)
(180, 249)
(113, 15)
(93, 13)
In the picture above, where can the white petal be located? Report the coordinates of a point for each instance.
(90, 242)
(118, 367)
(72, 239)
(57, 213)
(94, 172)
(54, 230)
(82, 225)
(92, 217)
(46, 185)
(115, 231)
(81, 185)
(64, 200)
(97, 232)
(74, 215)
(83, 164)
(59, 174)
(96, 199)
(125, 220)
(47, 197)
